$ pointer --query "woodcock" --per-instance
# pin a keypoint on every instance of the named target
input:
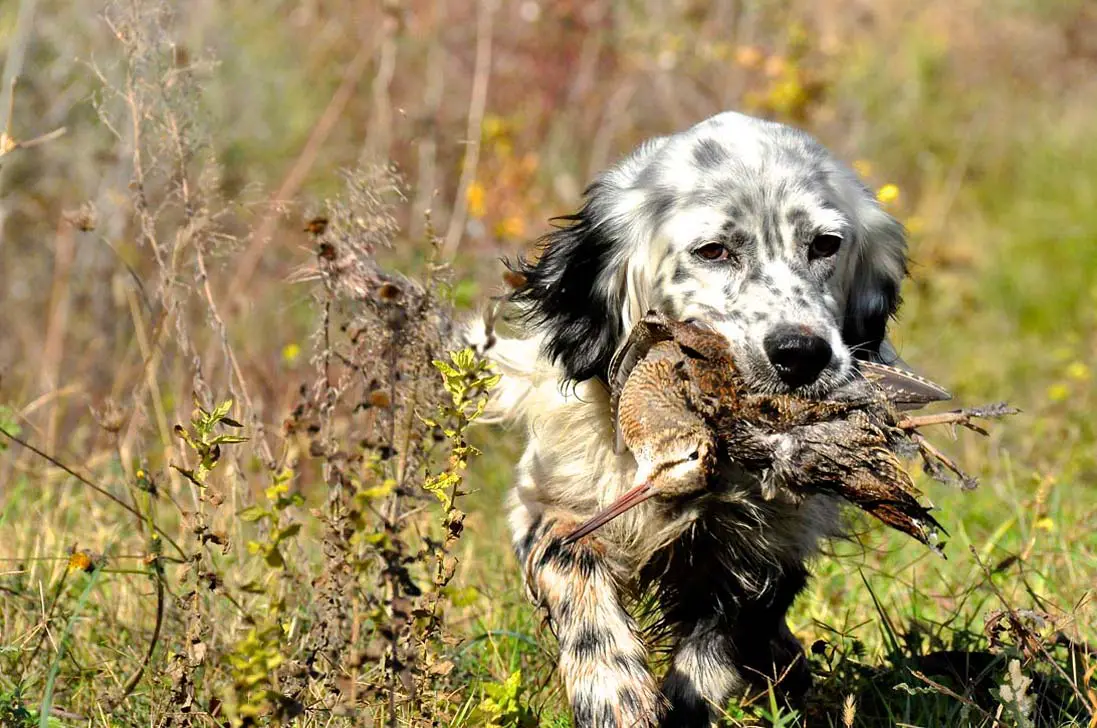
(681, 406)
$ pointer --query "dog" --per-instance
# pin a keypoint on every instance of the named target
(753, 228)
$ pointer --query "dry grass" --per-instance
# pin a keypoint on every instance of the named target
(222, 221)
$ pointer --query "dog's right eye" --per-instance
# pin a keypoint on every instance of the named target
(712, 252)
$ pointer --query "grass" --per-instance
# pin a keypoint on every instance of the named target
(340, 565)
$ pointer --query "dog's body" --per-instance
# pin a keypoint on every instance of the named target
(754, 229)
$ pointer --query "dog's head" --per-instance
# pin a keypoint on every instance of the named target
(747, 225)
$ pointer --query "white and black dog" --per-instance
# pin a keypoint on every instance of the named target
(753, 228)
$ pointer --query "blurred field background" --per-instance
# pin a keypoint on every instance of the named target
(159, 247)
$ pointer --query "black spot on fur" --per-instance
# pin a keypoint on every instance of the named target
(562, 297)
(709, 154)
(659, 203)
(629, 699)
(681, 274)
(591, 711)
(556, 554)
(523, 546)
(711, 313)
(801, 225)
(688, 708)
(631, 664)
(586, 562)
(590, 642)
(562, 611)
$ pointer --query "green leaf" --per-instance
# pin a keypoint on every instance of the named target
(465, 359)
(289, 532)
(252, 514)
(10, 424)
(274, 491)
(447, 371)
(274, 558)
(227, 440)
(378, 491)
(189, 475)
(220, 411)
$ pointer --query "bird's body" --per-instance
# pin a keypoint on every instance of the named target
(682, 407)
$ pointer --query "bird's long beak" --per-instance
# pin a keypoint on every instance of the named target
(632, 498)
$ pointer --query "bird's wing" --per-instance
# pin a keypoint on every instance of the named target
(648, 331)
(906, 390)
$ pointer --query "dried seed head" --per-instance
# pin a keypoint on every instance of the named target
(849, 711)
(110, 417)
(317, 226)
(85, 218)
(514, 279)
(388, 292)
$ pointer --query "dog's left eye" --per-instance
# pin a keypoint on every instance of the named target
(712, 252)
(824, 246)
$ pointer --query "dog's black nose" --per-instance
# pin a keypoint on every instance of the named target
(797, 354)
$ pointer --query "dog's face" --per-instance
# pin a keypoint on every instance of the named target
(755, 257)
(748, 226)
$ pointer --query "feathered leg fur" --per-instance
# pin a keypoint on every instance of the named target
(602, 655)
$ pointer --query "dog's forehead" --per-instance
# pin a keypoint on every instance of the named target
(732, 169)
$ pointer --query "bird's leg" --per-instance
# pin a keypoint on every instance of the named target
(962, 417)
(602, 657)
(932, 457)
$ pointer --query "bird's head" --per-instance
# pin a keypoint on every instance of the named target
(676, 463)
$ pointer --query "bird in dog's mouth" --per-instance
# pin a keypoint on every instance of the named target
(680, 406)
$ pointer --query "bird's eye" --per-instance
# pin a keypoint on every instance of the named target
(824, 246)
(712, 252)
(694, 455)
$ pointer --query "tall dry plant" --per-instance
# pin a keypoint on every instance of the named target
(236, 616)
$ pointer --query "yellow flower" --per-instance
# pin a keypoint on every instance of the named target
(1078, 371)
(1058, 392)
(915, 224)
(510, 227)
(80, 561)
(888, 193)
(775, 66)
(494, 127)
(290, 352)
(748, 56)
(787, 95)
(475, 196)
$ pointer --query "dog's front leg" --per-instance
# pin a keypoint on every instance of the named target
(602, 656)
(732, 645)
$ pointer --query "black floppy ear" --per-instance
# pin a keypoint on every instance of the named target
(873, 295)
(873, 300)
(566, 294)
